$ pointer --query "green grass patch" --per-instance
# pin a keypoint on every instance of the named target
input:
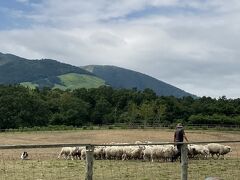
(74, 81)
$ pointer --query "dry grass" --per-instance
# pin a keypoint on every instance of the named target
(106, 136)
(108, 170)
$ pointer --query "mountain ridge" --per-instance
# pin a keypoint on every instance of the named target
(55, 74)
(119, 77)
(14, 70)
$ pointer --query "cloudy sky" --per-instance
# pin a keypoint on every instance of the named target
(191, 44)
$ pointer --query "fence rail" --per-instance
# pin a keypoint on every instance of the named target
(21, 146)
(89, 163)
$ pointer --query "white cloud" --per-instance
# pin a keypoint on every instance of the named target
(195, 47)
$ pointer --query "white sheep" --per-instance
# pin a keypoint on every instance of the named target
(168, 152)
(138, 142)
(159, 152)
(156, 152)
(137, 152)
(77, 154)
(132, 152)
(127, 152)
(218, 149)
(83, 154)
(69, 152)
(147, 153)
(99, 152)
(114, 152)
(198, 150)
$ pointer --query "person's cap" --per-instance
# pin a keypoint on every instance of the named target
(179, 125)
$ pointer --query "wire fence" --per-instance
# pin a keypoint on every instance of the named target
(143, 160)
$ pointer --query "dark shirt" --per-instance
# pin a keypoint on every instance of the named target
(179, 133)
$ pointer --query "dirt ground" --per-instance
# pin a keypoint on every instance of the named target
(106, 136)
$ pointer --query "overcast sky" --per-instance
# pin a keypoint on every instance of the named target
(191, 44)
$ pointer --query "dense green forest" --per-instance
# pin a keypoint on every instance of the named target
(24, 107)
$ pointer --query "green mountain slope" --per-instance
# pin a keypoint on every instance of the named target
(44, 73)
(14, 69)
(70, 81)
(124, 78)
(74, 81)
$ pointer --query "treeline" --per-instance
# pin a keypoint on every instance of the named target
(23, 107)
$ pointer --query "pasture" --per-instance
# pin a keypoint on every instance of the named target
(43, 163)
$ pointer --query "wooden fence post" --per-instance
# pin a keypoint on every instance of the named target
(89, 162)
(184, 162)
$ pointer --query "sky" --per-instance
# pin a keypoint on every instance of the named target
(191, 44)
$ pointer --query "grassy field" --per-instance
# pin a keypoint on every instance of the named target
(73, 81)
(71, 170)
(43, 163)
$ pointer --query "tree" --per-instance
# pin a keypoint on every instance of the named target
(101, 110)
(133, 113)
(146, 111)
(72, 111)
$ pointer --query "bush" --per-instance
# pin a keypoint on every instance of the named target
(124, 127)
(172, 126)
(111, 127)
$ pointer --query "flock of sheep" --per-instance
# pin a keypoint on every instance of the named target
(145, 152)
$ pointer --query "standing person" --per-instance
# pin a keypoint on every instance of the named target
(179, 136)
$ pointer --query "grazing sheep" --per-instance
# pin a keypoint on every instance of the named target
(99, 152)
(191, 151)
(114, 152)
(68, 152)
(168, 152)
(156, 152)
(137, 152)
(77, 154)
(197, 150)
(160, 152)
(147, 153)
(83, 154)
(127, 152)
(148, 142)
(218, 149)
(132, 152)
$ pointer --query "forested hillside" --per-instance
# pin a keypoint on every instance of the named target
(23, 107)
(124, 78)
(38, 73)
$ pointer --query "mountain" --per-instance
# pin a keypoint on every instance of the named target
(124, 78)
(54, 74)
(45, 73)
